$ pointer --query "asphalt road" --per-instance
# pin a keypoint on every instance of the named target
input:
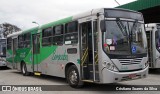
(14, 77)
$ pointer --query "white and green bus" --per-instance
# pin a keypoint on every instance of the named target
(100, 46)
(153, 37)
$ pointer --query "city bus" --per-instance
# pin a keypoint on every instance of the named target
(153, 38)
(3, 52)
(105, 45)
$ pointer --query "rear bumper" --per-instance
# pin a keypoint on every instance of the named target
(113, 77)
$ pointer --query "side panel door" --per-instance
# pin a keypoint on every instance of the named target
(89, 50)
(36, 51)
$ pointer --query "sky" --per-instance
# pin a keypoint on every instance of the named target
(23, 12)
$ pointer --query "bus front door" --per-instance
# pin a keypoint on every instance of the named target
(150, 48)
(89, 51)
(36, 52)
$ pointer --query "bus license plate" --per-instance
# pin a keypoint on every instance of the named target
(132, 76)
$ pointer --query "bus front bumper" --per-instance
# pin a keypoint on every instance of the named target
(113, 77)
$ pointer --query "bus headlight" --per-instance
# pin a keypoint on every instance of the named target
(109, 66)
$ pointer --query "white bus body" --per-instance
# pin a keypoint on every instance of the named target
(107, 46)
(153, 38)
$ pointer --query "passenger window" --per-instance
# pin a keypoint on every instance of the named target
(9, 42)
(27, 40)
(71, 34)
(47, 36)
(58, 35)
(59, 30)
(20, 41)
(24, 40)
(157, 40)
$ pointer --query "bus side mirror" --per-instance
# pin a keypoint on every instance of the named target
(102, 26)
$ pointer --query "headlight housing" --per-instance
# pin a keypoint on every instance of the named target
(110, 66)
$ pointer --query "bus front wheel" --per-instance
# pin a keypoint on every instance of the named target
(24, 70)
(73, 77)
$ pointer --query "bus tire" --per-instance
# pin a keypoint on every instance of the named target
(24, 70)
(73, 77)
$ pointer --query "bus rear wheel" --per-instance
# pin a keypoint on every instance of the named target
(24, 70)
(73, 77)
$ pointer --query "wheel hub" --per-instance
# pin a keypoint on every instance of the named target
(73, 77)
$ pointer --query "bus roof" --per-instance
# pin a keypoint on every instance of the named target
(14, 34)
(66, 20)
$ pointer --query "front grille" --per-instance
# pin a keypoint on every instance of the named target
(130, 61)
(130, 70)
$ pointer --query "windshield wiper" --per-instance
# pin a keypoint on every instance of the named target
(133, 27)
(121, 26)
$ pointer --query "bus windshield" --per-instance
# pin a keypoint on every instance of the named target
(157, 38)
(124, 37)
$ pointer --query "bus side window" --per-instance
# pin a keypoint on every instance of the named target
(58, 35)
(20, 41)
(9, 41)
(71, 34)
(47, 36)
(95, 35)
(157, 40)
(27, 40)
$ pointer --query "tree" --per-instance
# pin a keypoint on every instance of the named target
(7, 28)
